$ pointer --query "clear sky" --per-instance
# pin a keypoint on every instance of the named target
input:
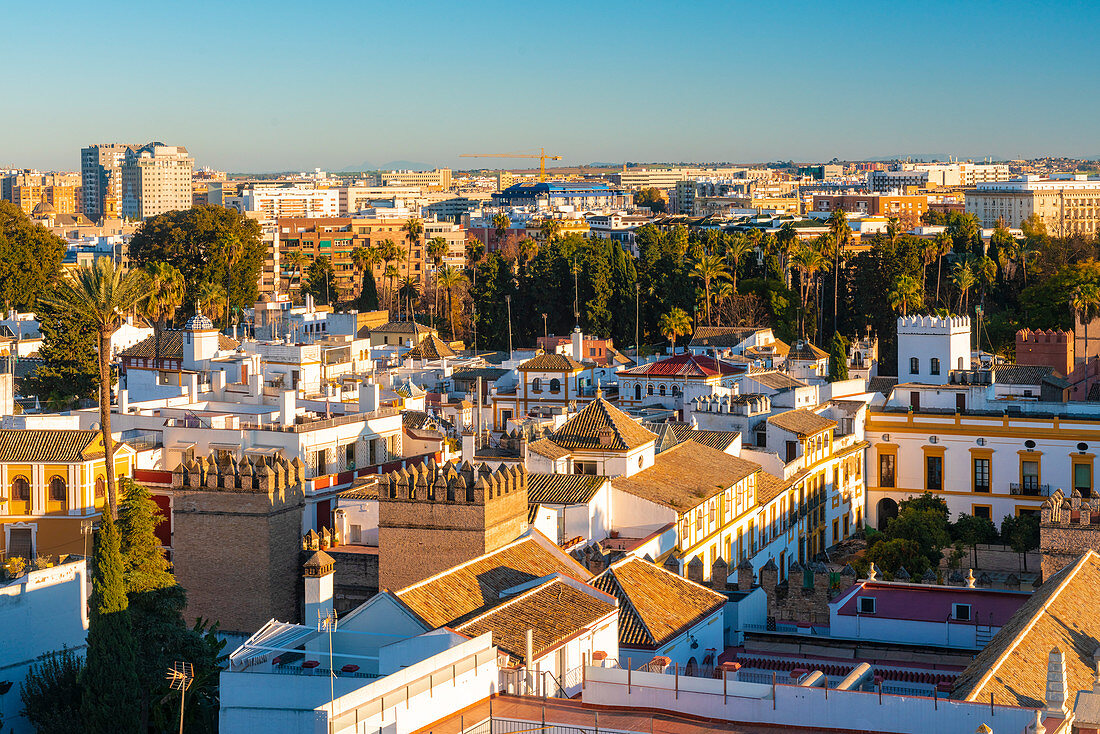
(251, 86)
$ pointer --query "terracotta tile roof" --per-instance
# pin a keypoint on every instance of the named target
(768, 487)
(551, 363)
(18, 445)
(430, 348)
(549, 449)
(553, 611)
(802, 422)
(602, 426)
(686, 474)
(1062, 613)
(402, 327)
(487, 374)
(411, 390)
(685, 365)
(806, 352)
(562, 489)
(171, 345)
(1015, 374)
(777, 348)
(456, 595)
(880, 384)
(655, 605)
(776, 380)
(722, 336)
(720, 440)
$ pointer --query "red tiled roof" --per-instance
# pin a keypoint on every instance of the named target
(685, 365)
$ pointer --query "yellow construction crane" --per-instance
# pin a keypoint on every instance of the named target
(541, 155)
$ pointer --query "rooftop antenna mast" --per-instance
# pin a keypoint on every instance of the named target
(180, 676)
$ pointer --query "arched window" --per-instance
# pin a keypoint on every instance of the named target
(914, 366)
(21, 489)
(675, 390)
(650, 389)
(960, 363)
(555, 385)
(536, 384)
(935, 369)
(57, 489)
(100, 488)
(662, 390)
(638, 391)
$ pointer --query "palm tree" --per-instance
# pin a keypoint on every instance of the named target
(963, 278)
(786, 239)
(549, 228)
(413, 229)
(673, 324)
(166, 292)
(808, 261)
(528, 251)
(736, 248)
(841, 234)
(409, 291)
(906, 294)
(389, 252)
(723, 290)
(1085, 303)
(390, 274)
(208, 299)
(296, 260)
(942, 244)
(450, 278)
(233, 249)
(104, 294)
(709, 268)
(501, 223)
(437, 250)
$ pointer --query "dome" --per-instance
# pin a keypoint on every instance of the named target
(44, 209)
(198, 322)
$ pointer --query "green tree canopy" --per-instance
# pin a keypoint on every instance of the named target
(895, 553)
(30, 258)
(110, 680)
(51, 693)
(70, 369)
(1021, 532)
(653, 198)
(838, 358)
(321, 281)
(206, 244)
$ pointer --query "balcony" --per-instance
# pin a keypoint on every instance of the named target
(1029, 489)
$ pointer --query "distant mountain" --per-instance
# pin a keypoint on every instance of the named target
(390, 166)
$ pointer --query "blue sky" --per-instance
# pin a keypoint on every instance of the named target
(293, 85)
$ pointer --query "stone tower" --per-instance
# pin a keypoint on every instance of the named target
(431, 518)
(237, 538)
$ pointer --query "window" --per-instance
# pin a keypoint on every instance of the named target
(866, 604)
(1029, 475)
(21, 490)
(935, 368)
(933, 473)
(983, 511)
(505, 416)
(649, 389)
(960, 612)
(100, 488)
(536, 384)
(638, 391)
(555, 385)
(960, 363)
(981, 475)
(886, 470)
(584, 467)
(914, 366)
(1082, 479)
(792, 451)
(662, 390)
(349, 456)
(675, 390)
(57, 489)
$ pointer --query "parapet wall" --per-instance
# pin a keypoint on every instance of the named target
(1067, 528)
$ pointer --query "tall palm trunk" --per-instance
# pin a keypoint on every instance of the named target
(939, 266)
(105, 417)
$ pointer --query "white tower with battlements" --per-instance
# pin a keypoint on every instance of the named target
(929, 347)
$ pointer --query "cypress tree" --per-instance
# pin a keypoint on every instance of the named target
(110, 682)
(156, 601)
(838, 358)
(368, 294)
(144, 566)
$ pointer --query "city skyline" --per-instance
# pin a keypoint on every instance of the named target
(255, 92)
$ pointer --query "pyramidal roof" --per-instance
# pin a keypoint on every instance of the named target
(602, 426)
(430, 347)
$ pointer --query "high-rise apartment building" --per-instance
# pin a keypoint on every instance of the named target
(1067, 204)
(271, 202)
(101, 179)
(156, 178)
